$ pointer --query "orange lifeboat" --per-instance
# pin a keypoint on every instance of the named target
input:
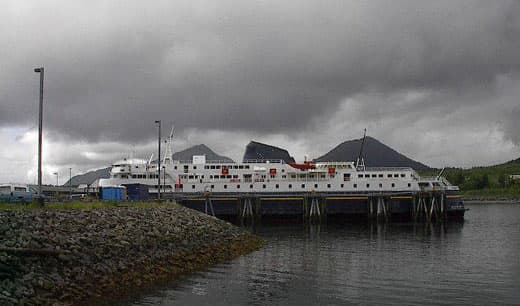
(305, 166)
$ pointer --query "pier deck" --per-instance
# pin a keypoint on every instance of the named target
(316, 205)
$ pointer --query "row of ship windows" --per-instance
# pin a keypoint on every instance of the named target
(380, 175)
(277, 186)
(140, 176)
(155, 176)
(217, 167)
(346, 175)
(229, 176)
(347, 166)
(225, 167)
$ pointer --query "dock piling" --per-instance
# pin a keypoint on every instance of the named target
(208, 204)
(312, 206)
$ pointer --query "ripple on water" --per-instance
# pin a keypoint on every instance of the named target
(476, 262)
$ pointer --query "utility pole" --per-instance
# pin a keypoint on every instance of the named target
(40, 130)
(70, 183)
(164, 179)
(57, 183)
(159, 162)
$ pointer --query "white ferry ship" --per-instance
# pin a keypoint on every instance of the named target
(258, 177)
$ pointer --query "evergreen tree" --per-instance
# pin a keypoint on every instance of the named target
(459, 178)
(485, 181)
(502, 180)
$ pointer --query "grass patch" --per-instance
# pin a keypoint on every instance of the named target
(493, 194)
(81, 205)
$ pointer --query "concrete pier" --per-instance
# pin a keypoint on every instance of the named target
(314, 206)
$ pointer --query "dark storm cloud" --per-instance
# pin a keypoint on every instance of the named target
(112, 69)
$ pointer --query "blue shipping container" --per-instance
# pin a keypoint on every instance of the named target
(137, 192)
(113, 194)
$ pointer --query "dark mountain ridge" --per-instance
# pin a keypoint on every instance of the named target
(511, 162)
(201, 149)
(375, 153)
(262, 151)
(89, 177)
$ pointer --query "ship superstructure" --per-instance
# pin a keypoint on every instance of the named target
(261, 176)
(339, 180)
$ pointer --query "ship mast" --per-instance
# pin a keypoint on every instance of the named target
(440, 173)
(169, 148)
(360, 162)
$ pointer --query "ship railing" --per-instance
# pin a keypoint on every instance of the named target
(307, 179)
(368, 169)
(441, 179)
(207, 162)
(263, 161)
(428, 178)
(327, 163)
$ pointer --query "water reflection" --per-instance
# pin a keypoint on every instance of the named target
(366, 263)
(332, 263)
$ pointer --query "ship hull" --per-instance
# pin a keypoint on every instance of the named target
(455, 205)
(297, 205)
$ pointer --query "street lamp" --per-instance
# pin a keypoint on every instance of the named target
(40, 129)
(164, 178)
(158, 122)
(70, 183)
(57, 176)
(57, 183)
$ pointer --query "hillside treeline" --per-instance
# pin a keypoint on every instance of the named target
(487, 182)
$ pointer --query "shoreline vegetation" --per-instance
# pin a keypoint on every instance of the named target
(87, 253)
(491, 195)
(494, 183)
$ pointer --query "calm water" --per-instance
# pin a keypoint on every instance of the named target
(475, 262)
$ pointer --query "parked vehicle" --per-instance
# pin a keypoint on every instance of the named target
(15, 193)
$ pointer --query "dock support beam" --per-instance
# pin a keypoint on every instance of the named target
(379, 208)
(315, 211)
(430, 206)
(247, 210)
(370, 204)
(208, 206)
(383, 212)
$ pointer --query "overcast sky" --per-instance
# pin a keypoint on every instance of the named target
(436, 80)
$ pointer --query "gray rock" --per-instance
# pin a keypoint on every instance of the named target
(96, 248)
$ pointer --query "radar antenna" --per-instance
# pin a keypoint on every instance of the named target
(169, 148)
(360, 162)
(440, 173)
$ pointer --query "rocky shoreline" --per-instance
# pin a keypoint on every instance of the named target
(78, 256)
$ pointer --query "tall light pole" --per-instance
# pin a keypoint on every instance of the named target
(40, 129)
(57, 183)
(164, 178)
(70, 183)
(159, 162)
